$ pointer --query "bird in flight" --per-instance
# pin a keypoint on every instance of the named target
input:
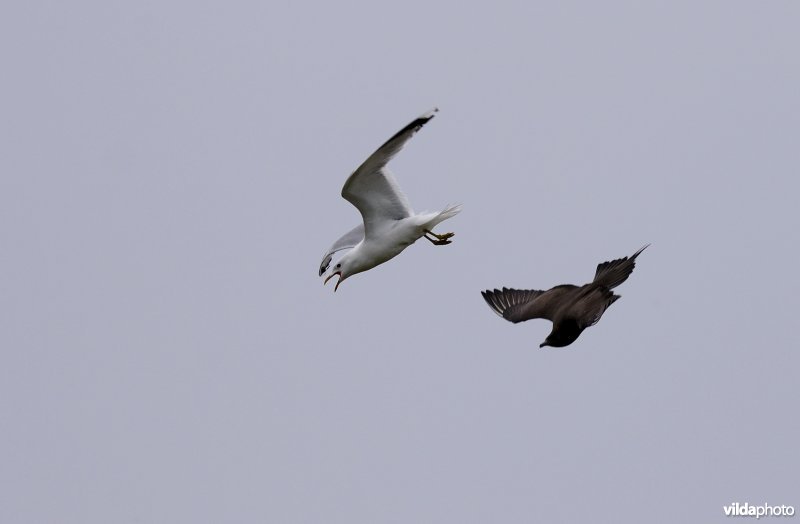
(570, 308)
(389, 224)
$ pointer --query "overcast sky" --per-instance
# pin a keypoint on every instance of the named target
(170, 178)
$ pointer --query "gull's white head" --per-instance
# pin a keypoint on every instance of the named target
(343, 269)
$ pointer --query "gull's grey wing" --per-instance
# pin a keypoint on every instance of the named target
(611, 274)
(348, 240)
(373, 189)
(517, 305)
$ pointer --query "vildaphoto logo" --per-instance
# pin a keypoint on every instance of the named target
(764, 510)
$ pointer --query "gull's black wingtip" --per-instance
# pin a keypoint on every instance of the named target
(326, 263)
(424, 118)
(415, 125)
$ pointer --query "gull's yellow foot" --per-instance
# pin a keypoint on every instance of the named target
(438, 240)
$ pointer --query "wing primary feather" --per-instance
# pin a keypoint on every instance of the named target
(508, 302)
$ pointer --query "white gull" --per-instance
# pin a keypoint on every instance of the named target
(389, 224)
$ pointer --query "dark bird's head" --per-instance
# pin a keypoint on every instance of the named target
(562, 335)
(558, 340)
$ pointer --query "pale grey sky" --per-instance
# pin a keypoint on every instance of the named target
(170, 178)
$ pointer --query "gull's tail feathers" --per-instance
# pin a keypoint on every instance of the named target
(449, 212)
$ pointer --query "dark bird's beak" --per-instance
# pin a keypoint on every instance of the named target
(337, 282)
(543, 344)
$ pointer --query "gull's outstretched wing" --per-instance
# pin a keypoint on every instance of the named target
(348, 240)
(373, 189)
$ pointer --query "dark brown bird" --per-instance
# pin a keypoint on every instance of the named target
(570, 308)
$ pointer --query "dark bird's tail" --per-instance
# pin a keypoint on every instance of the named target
(611, 274)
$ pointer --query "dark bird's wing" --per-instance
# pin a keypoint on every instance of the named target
(347, 241)
(590, 305)
(373, 189)
(611, 274)
(517, 305)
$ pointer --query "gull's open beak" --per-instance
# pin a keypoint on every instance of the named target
(337, 282)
